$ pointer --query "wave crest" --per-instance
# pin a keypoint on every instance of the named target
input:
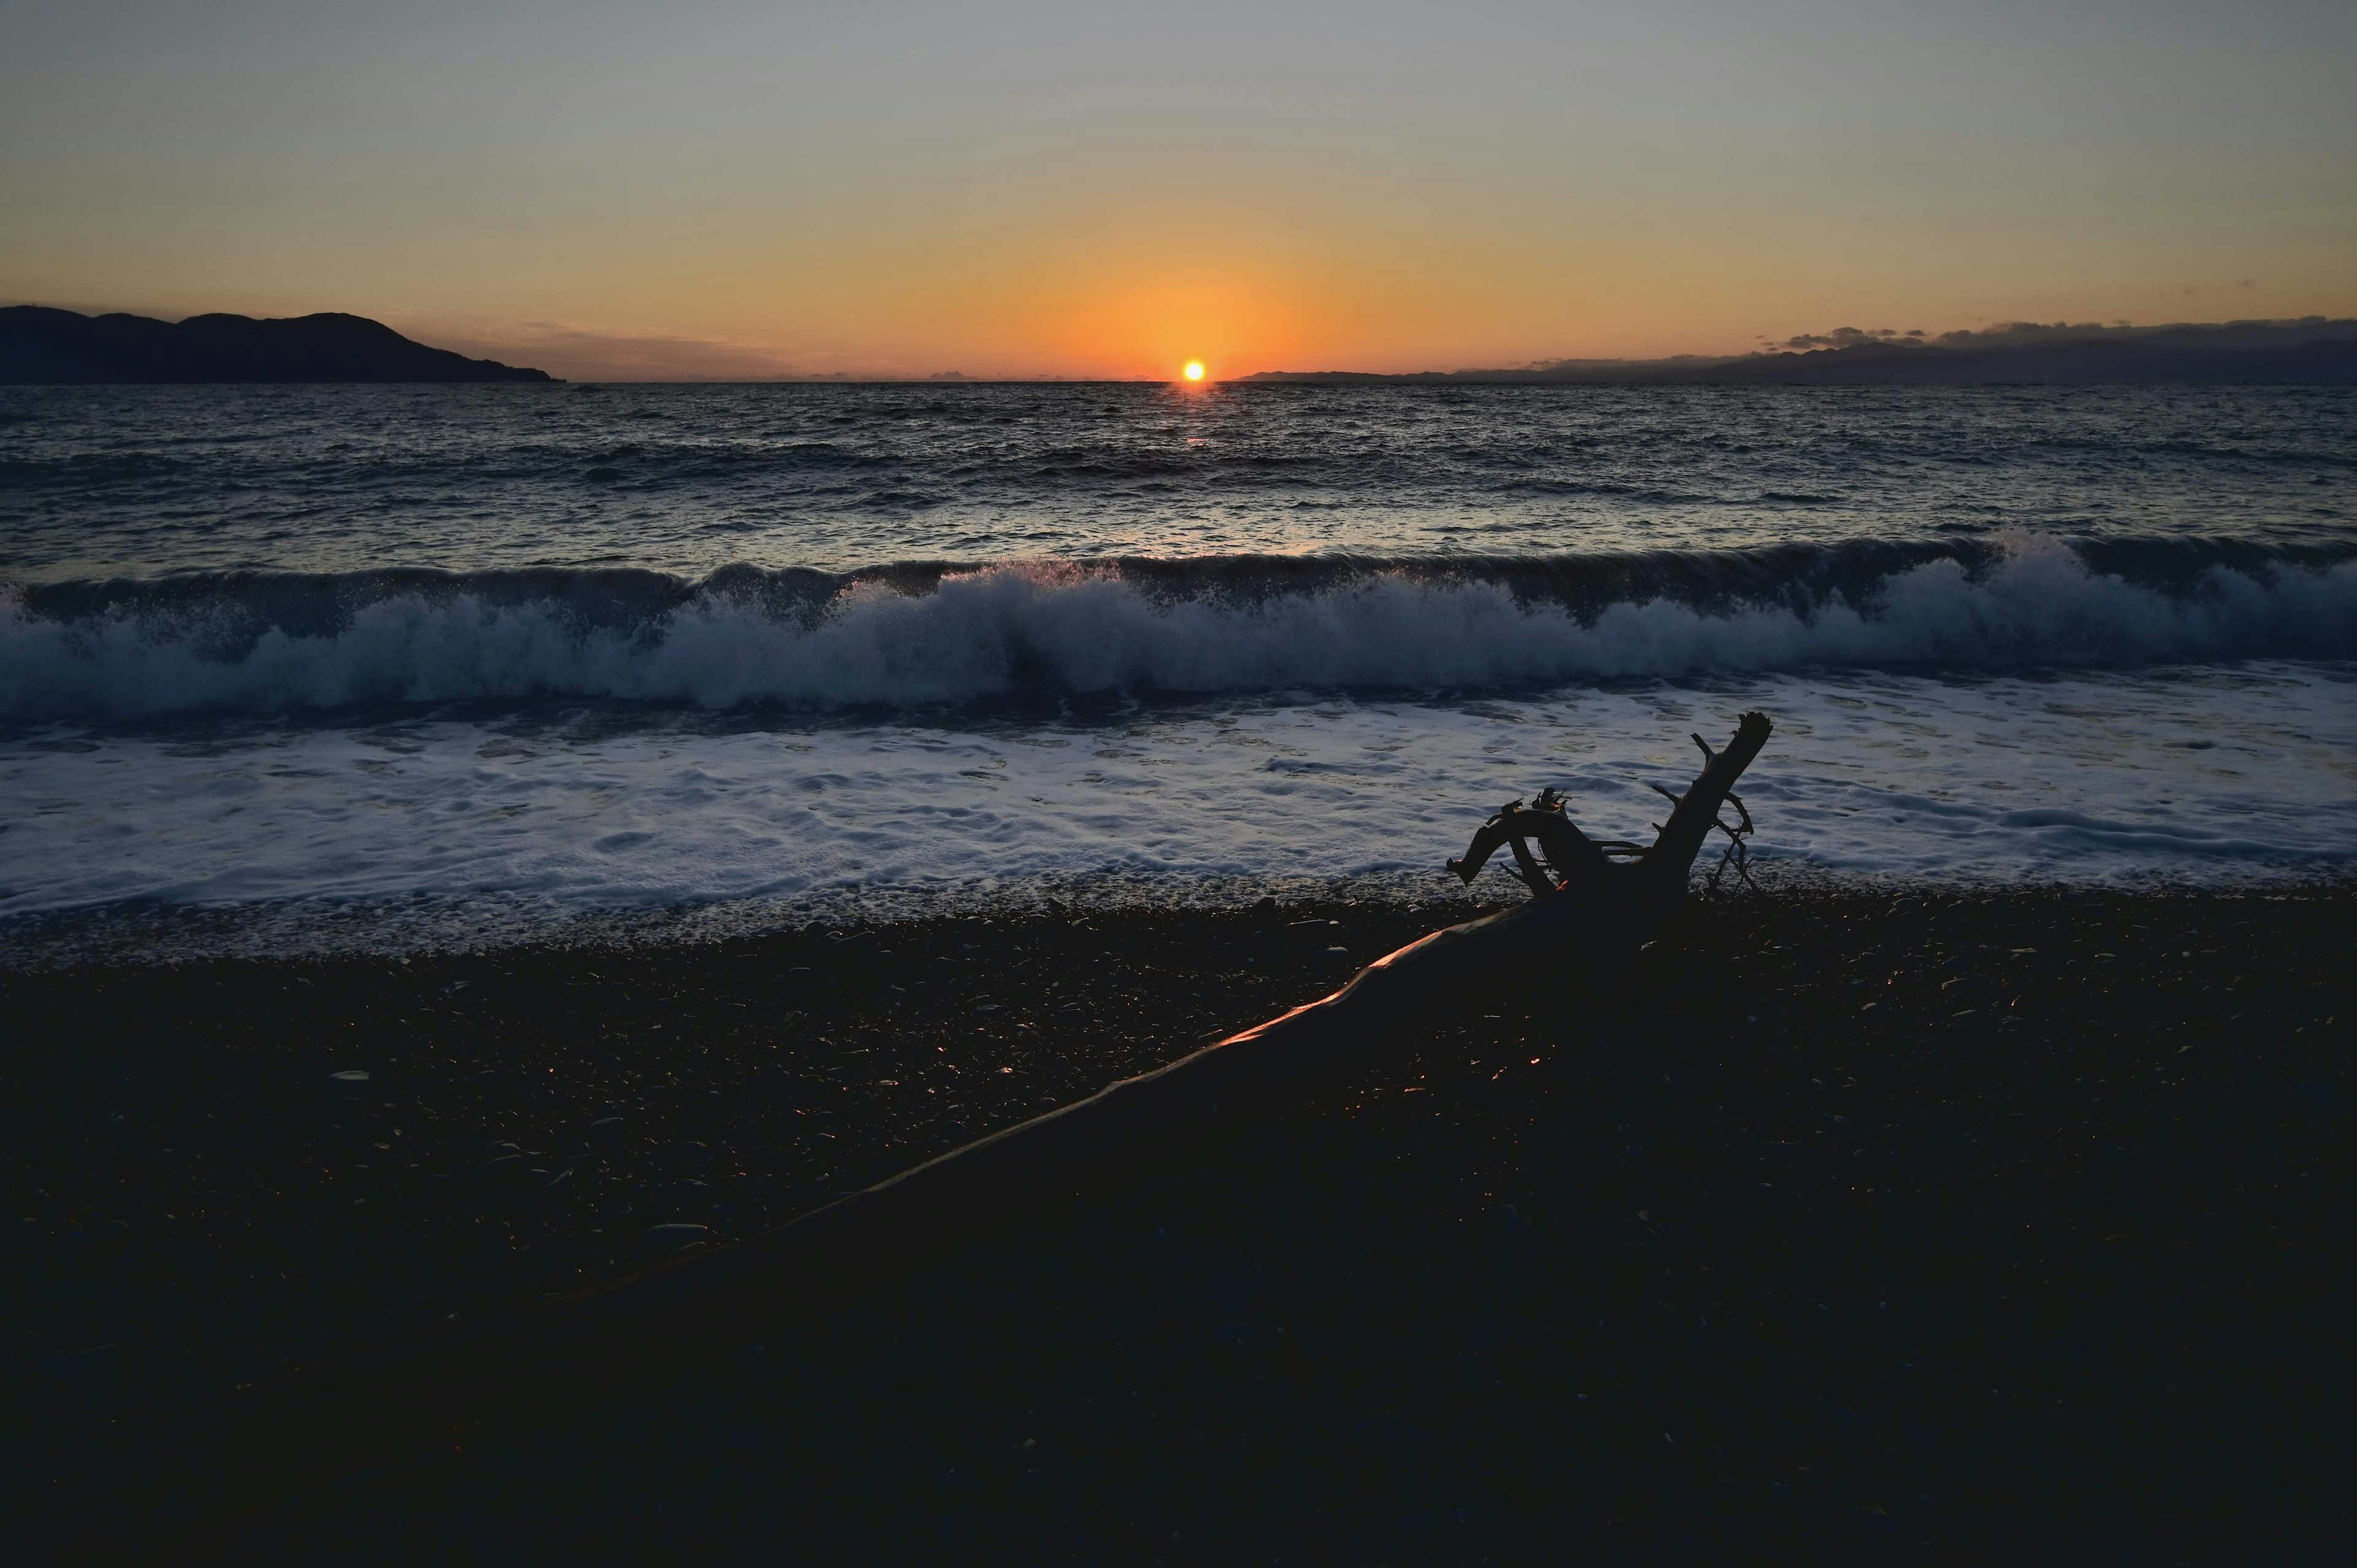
(930, 634)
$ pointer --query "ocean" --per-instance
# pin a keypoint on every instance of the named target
(318, 668)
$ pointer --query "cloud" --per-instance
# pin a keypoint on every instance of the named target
(2019, 334)
(2013, 334)
(1852, 337)
(2244, 334)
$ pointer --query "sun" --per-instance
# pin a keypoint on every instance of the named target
(1194, 371)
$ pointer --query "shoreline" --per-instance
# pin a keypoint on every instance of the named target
(197, 1201)
(140, 934)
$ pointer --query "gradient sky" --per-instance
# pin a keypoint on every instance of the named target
(905, 187)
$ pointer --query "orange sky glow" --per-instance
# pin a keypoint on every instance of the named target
(1039, 188)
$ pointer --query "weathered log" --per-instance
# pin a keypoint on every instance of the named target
(1651, 883)
(550, 1360)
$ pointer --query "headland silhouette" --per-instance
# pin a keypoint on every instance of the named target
(40, 346)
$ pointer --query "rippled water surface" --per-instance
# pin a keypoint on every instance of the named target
(569, 649)
(141, 481)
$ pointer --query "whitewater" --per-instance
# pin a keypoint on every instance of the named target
(394, 666)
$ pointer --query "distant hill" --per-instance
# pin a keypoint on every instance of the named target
(2311, 351)
(40, 346)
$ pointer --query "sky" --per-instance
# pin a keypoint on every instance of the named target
(709, 187)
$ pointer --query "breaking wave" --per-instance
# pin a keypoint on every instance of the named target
(930, 634)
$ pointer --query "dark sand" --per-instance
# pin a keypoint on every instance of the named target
(1942, 1227)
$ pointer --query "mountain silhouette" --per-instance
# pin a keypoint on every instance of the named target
(42, 346)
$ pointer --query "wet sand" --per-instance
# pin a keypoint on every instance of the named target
(1934, 1223)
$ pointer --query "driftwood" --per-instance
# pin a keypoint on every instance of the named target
(1592, 902)
(1598, 909)
(1613, 872)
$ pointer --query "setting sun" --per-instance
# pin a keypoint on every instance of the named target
(1194, 371)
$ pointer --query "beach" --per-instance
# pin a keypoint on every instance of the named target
(1104, 785)
(1981, 1219)
(486, 872)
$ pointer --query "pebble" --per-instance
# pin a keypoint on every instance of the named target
(352, 1076)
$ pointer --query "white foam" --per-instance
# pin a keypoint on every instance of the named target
(1004, 629)
(2199, 773)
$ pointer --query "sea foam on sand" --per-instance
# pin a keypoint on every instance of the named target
(2201, 774)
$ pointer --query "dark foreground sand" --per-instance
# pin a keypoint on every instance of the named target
(1939, 1227)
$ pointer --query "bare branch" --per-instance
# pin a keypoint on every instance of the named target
(1652, 877)
(1737, 802)
(1739, 853)
(1533, 876)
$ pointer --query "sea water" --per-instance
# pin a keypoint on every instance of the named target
(368, 666)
